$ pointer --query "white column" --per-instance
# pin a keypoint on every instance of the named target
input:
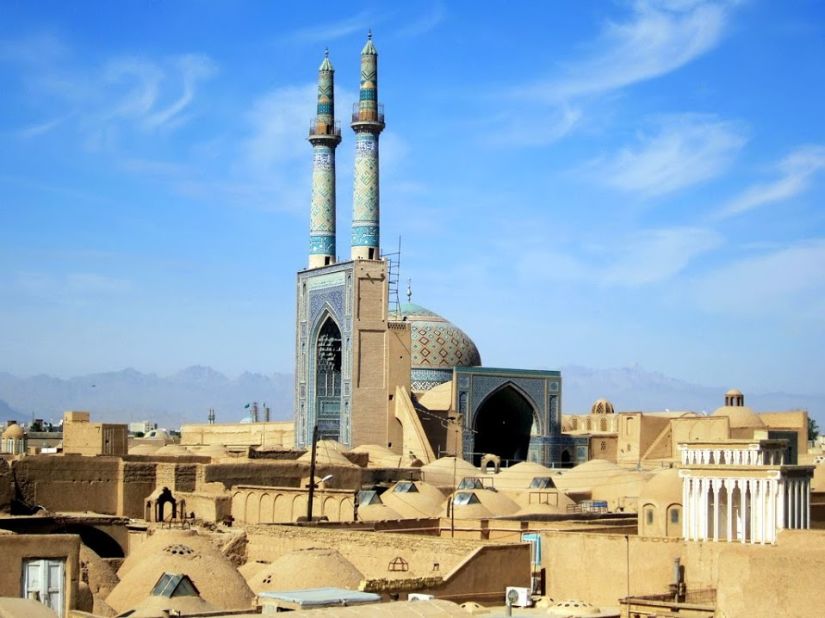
(729, 522)
(692, 509)
(772, 500)
(760, 511)
(780, 504)
(716, 487)
(791, 505)
(806, 497)
(685, 507)
(754, 509)
(743, 509)
(703, 531)
(694, 513)
(697, 507)
(795, 504)
(747, 511)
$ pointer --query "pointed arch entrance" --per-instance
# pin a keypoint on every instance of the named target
(503, 425)
(328, 380)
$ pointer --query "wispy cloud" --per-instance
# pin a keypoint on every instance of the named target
(657, 38)
(41, 128)
(684, 150)
(126, 93)
(193, 69)
(643, 258)
(796, 173)
(787, 282)
(71, 288)
(512, 130)
(425, 23)
(330, 31)
(660, 37)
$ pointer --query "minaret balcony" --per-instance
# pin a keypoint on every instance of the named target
(319, 128)
(368, 115)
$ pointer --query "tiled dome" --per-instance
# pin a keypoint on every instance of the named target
(437, 346)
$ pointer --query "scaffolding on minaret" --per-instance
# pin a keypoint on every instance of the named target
(393, 276)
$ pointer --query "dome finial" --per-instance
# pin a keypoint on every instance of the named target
(326, 52)
(369, 34)
(409, 290)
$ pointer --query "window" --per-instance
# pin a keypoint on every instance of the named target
(649, 516)
(603, 446)
(470, 482)
(674, 516)
(465, 497)
(405, 487)
(43, 580)
(542, 482)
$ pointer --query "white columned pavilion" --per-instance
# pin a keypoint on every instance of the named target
(742, 490)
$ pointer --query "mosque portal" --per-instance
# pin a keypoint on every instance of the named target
(328, 380)
(504, 423)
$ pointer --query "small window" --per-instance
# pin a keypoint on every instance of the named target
(542, 482)
(674, 516)
(405, 487)
(649, 517)
(463, 498)
(603, 446)
(470, 482)
(368, 496)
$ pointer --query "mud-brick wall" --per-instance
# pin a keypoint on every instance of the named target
(370, 552)
(136, 483)
(6, 492)
(279, 474)
(185, 475)
(70, 482)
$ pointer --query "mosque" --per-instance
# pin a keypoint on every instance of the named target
(369, 371)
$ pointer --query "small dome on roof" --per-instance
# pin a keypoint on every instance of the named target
(14, 432)
(734, 391)
(307, 568)
(602, 406)
(740, 417)
(663, 488)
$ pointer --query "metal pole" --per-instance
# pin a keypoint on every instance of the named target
(311, 495)
(452, 504)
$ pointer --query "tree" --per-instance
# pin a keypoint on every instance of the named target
(813, 429)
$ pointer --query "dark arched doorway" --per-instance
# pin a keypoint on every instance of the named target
(503, 425)
(328, 380)
(95, 539)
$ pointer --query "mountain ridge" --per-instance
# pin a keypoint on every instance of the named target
(187, 395)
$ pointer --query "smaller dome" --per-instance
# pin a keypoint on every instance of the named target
(13, 432)
(734, 391)
(663, 488)
(602, 406)
(740, 417)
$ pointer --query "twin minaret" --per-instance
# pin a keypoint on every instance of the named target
(325, 135)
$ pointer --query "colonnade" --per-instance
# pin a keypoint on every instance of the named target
(747, 510)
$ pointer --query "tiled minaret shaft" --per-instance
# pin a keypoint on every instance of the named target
(367, 122)
(324, 135)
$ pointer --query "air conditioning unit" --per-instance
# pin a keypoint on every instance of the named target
(417, 596)
(518, 597)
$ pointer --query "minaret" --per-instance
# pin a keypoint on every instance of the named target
(367, 122)
(324, 135)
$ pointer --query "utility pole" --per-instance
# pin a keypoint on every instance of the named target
(311, 495)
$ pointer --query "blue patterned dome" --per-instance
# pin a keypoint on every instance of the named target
(438, 345)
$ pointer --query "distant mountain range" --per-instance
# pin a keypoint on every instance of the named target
(186, 396)
(130, 395)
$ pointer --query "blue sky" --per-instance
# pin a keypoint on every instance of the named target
(595, 183)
